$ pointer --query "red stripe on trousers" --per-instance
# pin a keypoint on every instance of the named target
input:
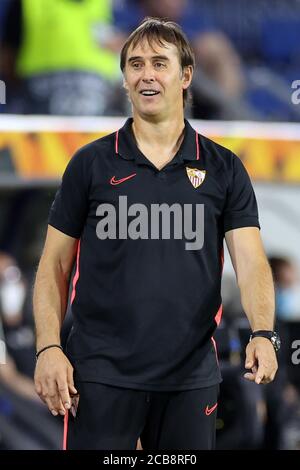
(66, 423)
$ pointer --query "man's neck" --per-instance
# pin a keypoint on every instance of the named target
(158, 140)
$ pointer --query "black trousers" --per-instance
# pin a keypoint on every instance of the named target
(113, 418)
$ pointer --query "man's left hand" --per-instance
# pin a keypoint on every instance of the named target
(261, 359)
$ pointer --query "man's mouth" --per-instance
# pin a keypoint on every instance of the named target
(149, 92)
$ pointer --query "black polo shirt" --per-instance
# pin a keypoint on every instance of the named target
(145, 306)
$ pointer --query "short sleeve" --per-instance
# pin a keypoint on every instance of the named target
(69, 209)
(241, 206)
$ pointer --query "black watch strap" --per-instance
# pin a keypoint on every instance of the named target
(271, 335)
(263, 333)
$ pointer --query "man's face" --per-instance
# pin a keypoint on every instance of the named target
(154, 79)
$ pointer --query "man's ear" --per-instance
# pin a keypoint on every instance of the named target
(186, 76)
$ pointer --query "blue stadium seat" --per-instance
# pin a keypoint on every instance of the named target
(280, 40)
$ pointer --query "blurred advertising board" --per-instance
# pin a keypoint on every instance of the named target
(39, 147)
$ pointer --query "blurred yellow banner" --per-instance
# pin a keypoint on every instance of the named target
(32, 153)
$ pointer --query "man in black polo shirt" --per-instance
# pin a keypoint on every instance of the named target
(144, 211)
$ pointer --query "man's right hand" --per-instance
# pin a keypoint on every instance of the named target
(53, 380)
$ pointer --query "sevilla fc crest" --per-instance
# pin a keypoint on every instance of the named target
(195, 176)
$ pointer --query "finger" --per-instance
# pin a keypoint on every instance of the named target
(249, 376)
(57, 407)
(72, 388)
(44, 394)
(38, 389)
(43, 398)
(269, 377)
(263, 371)
(261, 374)
(64, 392)
(273, 376)
(249, 363)
(266, 380)
(48, 400)
(50, 406)
(61, 408)
(53, 394)
(250, 358)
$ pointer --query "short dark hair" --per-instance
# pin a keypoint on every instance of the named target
(160, 31)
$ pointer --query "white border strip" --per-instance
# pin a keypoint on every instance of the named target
(249, 129)
(239, 129)
(29, 123)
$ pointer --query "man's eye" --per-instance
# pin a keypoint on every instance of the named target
(159, 65)
(136, 65)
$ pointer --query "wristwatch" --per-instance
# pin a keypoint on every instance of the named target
(271, 335)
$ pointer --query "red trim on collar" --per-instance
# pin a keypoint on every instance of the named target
(117, 142)
(197, 147)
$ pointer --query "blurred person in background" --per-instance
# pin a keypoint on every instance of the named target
(57, 57)
(24, 425)
(23, 422)
(18, 332)
(287, 296)
(268, 412)
(278, 402)
(287, 289)
(283, 397)
(216, 58)
(12, 297)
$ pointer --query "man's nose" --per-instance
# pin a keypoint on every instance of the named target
(148, 74)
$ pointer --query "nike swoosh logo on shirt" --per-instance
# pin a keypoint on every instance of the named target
(208, 411)
(115, 181)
